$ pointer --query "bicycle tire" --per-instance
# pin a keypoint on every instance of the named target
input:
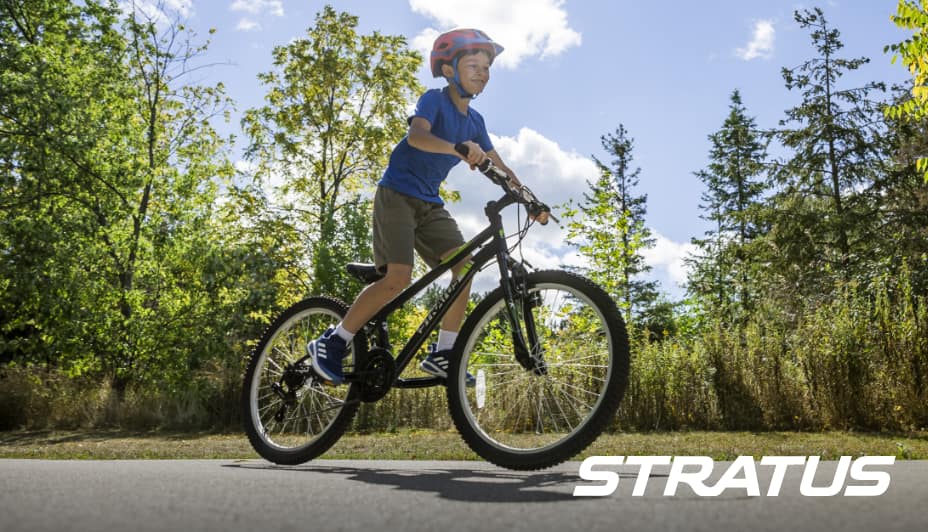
(508, 424)
(310, 436)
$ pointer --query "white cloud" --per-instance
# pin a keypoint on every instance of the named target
(257, 7)
(246, 24)
(160, 13)
(761, 44)
(245, 167)
(525, 28)
(667, 260)
(553, 173)
(184, 7)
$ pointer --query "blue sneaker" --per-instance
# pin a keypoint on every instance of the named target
(327, 353)
(437, 362)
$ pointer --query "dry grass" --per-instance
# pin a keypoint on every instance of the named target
(444, 445)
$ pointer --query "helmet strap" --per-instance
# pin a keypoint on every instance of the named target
(456, 80)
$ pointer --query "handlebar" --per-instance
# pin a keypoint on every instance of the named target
(520, 193)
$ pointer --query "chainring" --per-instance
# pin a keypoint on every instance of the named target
(377, 375)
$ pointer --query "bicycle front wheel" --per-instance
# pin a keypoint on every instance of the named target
(290, 415)
(532, 413)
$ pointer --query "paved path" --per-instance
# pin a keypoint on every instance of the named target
(378, 496)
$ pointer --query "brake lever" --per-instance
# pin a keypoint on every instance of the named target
(541, 207)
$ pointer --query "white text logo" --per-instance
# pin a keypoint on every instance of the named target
(741, 475)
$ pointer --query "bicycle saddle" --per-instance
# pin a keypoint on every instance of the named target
(366, 273)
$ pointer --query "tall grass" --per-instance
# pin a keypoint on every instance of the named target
(858, 361)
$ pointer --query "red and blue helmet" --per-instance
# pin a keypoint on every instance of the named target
(449, 44)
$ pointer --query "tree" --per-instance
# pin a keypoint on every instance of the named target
(111, 171)
(902, 224)
(828, 180)
(913, 15)
(609, 228)
(336, 105)
(732, 199)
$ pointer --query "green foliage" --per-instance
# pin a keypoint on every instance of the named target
(821, 213)
(336, 105)
(859, 361)
(912, 15)
(118, 263)
(138, 270)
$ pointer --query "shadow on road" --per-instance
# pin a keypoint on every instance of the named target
(457, 483)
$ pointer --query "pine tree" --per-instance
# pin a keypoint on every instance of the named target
(609, 228)
(827, 183)
(734, 187)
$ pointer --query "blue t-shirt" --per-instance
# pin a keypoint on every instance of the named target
(419, 173)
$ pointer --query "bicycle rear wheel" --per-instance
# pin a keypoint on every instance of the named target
(526, 414)
(290, 416)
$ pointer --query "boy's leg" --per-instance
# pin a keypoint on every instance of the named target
(455, 315)
(394, 236)
(376, 295)
(328, 350)
(438, 238)
(394, 227)
(438, 360)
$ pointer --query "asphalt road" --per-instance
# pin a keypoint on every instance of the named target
(378, 496)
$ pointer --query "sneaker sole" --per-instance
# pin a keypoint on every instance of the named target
(432, 369)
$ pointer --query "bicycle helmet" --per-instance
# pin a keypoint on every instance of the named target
(449, 46)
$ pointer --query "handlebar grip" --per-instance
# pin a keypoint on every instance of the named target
(462, 148)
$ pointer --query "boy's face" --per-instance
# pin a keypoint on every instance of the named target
(474, 71)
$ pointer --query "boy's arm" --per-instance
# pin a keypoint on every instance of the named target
(421, 137)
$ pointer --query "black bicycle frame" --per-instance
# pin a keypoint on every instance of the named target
(491, 243)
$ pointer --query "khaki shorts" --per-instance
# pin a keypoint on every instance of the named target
(403, 223)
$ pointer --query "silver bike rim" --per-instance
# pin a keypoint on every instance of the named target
(317, 406)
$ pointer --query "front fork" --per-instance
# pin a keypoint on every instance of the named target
(519, 303)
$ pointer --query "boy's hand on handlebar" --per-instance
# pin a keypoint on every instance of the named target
(475, 154)
(541, 218)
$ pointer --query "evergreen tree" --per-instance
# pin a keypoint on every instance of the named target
(734, 189)
(825, 199)
(609, 228)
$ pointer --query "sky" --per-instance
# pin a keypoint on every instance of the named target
(573, 71)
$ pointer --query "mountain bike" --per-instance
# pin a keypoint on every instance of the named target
(548, 349)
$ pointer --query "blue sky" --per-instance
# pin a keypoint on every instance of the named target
(573, 71)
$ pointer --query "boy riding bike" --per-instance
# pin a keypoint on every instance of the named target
(408, 212)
